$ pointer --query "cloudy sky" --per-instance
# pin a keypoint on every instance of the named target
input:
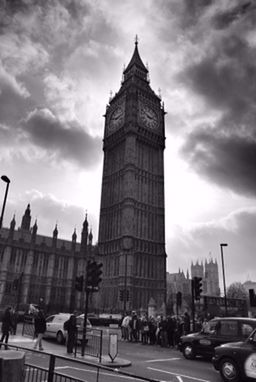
(60, 59)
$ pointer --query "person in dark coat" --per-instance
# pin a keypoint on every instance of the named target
(71, 326)
(134, 325)
(170, 331)
(6, 326)
(40, 328)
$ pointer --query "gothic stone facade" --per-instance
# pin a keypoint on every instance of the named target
(43, 267)
(132, 215)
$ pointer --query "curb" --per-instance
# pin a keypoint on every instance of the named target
(117, 363)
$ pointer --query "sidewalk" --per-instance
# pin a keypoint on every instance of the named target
(54, 348)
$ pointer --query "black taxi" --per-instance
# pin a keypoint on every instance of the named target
(218, 331)
(236, 361)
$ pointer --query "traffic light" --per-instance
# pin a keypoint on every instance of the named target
(198, 287)
(121, 295)
(93, 275)
(79, 283)
(178, 298)
(252, 297)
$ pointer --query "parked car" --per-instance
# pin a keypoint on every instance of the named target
(55, 327)
(104, 319)
(80, 326)
(236, 361)
(220, 331)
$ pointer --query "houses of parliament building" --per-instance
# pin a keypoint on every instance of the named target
(34, 267)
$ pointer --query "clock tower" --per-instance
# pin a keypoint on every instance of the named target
(131, 239)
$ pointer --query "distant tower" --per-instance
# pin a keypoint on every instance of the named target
(55, 236)
(26, 219)
(197, 270)
(212, 278)
(12, 228)
(34, 232)
(84, 236)
(132, 214)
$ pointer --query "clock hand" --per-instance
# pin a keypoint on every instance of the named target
(117, 116)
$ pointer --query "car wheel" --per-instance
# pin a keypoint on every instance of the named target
(188, 351)
(60, 338)
(229, 370)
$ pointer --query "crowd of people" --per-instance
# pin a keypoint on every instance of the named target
(163, 331)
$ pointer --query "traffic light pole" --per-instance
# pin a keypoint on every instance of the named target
(85, 320)
(92, 281)
(224, 282)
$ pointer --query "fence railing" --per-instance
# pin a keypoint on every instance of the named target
(90, 371)
(28, 328)
(93, 346)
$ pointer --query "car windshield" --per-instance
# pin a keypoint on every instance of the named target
(209, 327)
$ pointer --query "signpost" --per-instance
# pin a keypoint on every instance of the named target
(112, 346)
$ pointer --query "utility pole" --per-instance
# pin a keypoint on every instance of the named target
(224, 282)
(193, 303)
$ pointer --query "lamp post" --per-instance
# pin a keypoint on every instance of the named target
(223, 272)
(7, 181)
(125, 284)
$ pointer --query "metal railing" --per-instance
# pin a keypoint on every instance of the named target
(95, 372)
(94, 344)
(28, 328)
(92, 348)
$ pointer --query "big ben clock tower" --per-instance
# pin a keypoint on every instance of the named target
(132, 215)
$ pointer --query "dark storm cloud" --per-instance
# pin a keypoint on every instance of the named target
(76, 8)
(223, 19)
(225, 78)
(13, 97)
(228, 161)
(66, 140)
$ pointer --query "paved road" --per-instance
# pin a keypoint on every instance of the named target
(154, 362)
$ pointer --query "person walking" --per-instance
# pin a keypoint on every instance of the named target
(125, 327)
(40, 328)
(144, 330)
(7, 325)
(170, 331)
(71, 327)
(163, 332)
(14, 318)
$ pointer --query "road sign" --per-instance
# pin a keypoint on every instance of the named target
(112, 348)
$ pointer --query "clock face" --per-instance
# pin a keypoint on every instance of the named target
(148, 117)
(116, 118)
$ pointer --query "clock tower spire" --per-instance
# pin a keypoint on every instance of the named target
(132, 225)
(136, 65)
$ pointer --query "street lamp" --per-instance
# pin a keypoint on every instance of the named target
(223, 272)
(7, 181)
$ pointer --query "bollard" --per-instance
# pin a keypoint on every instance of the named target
(12, 366)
